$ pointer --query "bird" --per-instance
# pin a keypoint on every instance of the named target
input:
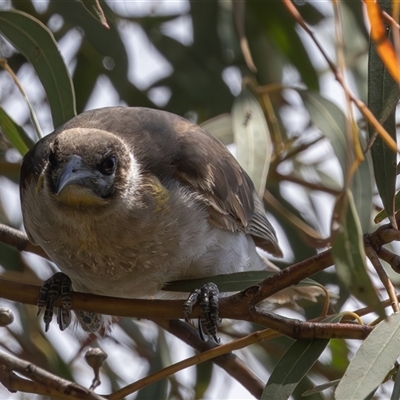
(125, 199)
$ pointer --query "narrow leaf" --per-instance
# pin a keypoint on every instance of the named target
(292, 368)
(383, 214)
(378, 34)
(331, 121)
(372, 362)
(35, 122)
(362, 189)
(252, 138)
(14, 133)
(349, 255)
(381, 101)
(320, 388)
(35, 41)
(220, 127)
(228, 282)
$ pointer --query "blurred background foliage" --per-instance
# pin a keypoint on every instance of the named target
(186, 57)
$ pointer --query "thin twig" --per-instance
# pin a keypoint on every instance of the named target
(230, 362)
(373, 257)
(310, 185)
(365, 111)
(4, 64)
(45, 378)
(19, 240)
(207, 355)
(15, 383)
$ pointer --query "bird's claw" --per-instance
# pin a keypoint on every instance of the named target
(207, 297)
(58, 284)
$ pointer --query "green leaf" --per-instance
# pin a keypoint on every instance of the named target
(331, 121)
(320, 388)
(14, 133)
(362, 188)
(252, 138)
(220, 127)
(158, 389)
(35, 41)
(281, 29)
(383, 94)
(372, 362)
(383, 214)
(228, 282)
(292, 368)
(349, 255)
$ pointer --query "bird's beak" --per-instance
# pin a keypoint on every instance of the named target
(74, 172)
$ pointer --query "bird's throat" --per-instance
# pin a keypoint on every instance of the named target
(79, 196)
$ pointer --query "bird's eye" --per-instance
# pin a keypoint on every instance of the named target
(107, 166)
(52, 159)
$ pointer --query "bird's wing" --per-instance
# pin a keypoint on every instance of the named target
(208, 166)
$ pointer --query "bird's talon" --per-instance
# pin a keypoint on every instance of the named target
(207, 297)
(59, 283)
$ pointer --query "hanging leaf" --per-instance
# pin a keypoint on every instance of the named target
(384, 47)
(383, 214)
(35, 41)
(294, 365)
(383, 94)
(331, 121)
(372, 362)
(252, 138)
(14, 133)
(220, 127)
(349, 255)
(292, 368)
(233, 282)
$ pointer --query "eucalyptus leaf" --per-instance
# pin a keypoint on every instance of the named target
(36, 42)
(292, 368)
(233, 282)
(252, 138)
(372, 362)
(220, 127)
(14, 133)
(383, 94)
(294, 365)
(331, 121)
(158, 389)
(320, 388)
(349, 254)
(383, 213)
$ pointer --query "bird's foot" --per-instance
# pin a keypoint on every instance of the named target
(59, 283)
(207, 297)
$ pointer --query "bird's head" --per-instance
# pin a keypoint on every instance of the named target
(87, 167)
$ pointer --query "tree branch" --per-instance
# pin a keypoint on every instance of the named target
(68, 389)
(15, 238)
(230, 362)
